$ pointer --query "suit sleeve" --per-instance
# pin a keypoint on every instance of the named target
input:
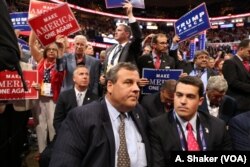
(96, 78)
(71, 143)
(158, 159)
(60, 113)
(136, 41)
(239, 134)
(231, 74)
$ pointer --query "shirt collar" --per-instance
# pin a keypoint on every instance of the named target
(83, 92)
(113, 112)
(184, 122)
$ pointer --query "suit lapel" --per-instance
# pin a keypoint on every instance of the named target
(87, 97)
(109, 131)
(124, 53)
(174, 130)
(240, 64)
(206, 129)
(73, 95)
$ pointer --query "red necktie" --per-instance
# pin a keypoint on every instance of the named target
(192, 143)
(157, 62)
(246, 65)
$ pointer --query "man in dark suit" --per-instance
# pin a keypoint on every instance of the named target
(238, 77)
(200, 67)
(91, 134)
(173, 130)
(160, 102)
(130, 49)
(239, 130)
(158, 59)
(216, 102)
(69, 99)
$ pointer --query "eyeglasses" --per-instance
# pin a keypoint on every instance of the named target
(52, 49)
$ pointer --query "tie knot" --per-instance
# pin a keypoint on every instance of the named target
(119, 47)
(189, 127)
(122, 116)
(79, 94)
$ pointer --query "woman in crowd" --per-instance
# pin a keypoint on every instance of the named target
(50, 81)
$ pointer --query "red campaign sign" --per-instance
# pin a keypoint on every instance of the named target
(11, 86)
(48, 25)
(38, 7)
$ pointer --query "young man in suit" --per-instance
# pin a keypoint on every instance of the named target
(127, 50)
(94, 134)
(77, 96)
(238, 76)
(69, 61)
(239, 130)
(160, 102)
(173, 130)
(215, 101)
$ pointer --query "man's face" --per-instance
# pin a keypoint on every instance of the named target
(215, 97)
(80, 46)
(81, 77)
(244, 53)
(186, 100)
(161, 45)
(146, 50)
(89, 50)
(120, 34)
(202, 61)
(124, 94)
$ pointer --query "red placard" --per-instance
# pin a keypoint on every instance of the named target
(48, 25)
(11, 86)
(38, 7)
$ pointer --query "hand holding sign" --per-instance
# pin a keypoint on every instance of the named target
(129, 8)
(61, 43)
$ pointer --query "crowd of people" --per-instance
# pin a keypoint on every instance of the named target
(91, 112)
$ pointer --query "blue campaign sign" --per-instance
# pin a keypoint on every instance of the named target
(157, 78)
(118, 3)
(20, 21)
(193, 22)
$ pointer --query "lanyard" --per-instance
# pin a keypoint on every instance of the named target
(183, 139)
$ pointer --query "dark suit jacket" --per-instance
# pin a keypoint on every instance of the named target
(227, 108)
(238, 80)
(86, 137)
(239, 130)
(153, 105)
(66, 102)
(146, 61)
(164, 136)
(131, 51)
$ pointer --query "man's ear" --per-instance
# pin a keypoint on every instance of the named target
(201, 100)
(109, 86)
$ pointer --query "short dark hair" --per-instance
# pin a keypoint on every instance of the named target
(127, 29)
(192, 80)
(244, 43)
(169, 85)
(112, 73)
(155, 38)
